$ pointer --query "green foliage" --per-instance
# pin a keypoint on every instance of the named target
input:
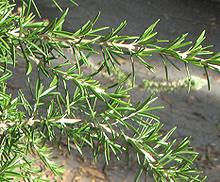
(195, 83)
(74, 104)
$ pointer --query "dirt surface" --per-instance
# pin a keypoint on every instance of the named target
(196, 114)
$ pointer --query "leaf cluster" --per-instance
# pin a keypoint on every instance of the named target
(73, 104)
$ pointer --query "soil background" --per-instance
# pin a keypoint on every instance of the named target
(196, 114)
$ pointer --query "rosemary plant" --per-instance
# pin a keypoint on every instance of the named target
(68, 103)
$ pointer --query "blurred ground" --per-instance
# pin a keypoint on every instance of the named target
(196, 114)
